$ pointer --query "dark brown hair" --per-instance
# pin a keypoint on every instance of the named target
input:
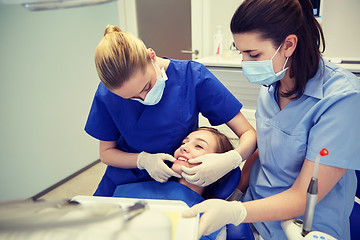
(277, 19)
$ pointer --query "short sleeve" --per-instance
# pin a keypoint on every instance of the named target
(337, 129)
(100, 124)
(216, 102)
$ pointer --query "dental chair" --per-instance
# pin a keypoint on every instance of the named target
(355, 214)
(221, 191)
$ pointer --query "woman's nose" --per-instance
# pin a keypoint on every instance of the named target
(184, 148)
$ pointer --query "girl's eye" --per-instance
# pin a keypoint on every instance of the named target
(254, 56)
(199, 146)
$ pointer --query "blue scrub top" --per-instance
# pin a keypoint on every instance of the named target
(190, 89)
(327, 115)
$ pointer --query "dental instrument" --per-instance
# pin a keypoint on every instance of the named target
(312, 194)
(297, 229)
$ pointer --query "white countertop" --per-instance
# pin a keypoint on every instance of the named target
(229, 60)
(234, 60)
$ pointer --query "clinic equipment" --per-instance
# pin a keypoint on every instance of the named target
(83, 219)
(20, 215)
(297, 229)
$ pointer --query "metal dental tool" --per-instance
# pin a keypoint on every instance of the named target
(42, 215)
(312, 194)
(135, 210)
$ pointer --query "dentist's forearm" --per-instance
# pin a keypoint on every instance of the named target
(112, 156)
(120, 159)
(247, 144)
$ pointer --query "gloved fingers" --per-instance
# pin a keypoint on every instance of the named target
(169, 158)
(161, 177)
(189, 171)
(191, 212)
(175, 174)
(209, 222)
(202, 183)
(168, 172)
(171, 173)
(194, 179)
(202, 227)
(194, 210)
(165, 156)
(190, 178)
(161, 180)
(157, 178)
(198, 182)
(206, 227)
(197, 160)
(205, 220)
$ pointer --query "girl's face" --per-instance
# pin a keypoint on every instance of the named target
(194, 145)
(140, 83)
(254, 48)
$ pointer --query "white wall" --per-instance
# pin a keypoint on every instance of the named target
(218, 13)
(48, 80)
(340, 22)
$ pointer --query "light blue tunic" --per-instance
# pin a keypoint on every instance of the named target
(327, 115)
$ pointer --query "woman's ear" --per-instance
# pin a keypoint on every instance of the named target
(152, 54)
(290, 44)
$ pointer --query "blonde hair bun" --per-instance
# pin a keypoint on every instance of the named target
(118, 55)
(111, 29)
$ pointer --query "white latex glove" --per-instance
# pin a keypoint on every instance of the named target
(213, 166)
(155, 166)
(217, 213)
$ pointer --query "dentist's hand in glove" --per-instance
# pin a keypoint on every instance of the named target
(213, 166)
(155, 166)
(217, 213)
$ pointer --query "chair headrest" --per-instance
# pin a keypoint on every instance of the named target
(358, 183)
(224, 187)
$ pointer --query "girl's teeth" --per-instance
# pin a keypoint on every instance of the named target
(182, 159)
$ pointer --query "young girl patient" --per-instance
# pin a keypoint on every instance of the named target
(201, 141)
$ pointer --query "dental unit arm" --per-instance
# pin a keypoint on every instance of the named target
(296, 229)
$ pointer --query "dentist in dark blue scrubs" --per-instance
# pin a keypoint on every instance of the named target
(145, 106)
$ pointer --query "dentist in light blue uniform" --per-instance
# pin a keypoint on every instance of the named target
(145, 106)
(304, 105)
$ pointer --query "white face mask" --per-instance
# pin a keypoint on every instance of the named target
(262, 72)
(153, 97)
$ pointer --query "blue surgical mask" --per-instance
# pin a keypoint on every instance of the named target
(262, 72)
(153, 97)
